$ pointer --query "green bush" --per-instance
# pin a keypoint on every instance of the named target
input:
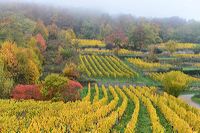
(6, 83)
(54, 85)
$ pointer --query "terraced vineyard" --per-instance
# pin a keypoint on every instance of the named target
(147, 65)
(105, 66)
(105, 110)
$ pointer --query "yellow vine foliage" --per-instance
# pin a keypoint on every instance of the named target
(186, 55)
(180, 46)
(147, 65)
(105, 66)
(89, 43)
(100, 115)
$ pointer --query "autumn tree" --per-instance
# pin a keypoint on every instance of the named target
(71, 44)
(6, 83)
(41, 42)
(53, 31)
(89, 30)
(105, 30)
(35, 50)
(40, 28)
(118, 38)
(71, 71)
(8, 52)
(22, 64)
(170, 46)
(29, 71)
(16, 28)
(54, 86)
(143, 35)
(69, 36)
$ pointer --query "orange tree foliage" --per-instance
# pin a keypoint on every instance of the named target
(22, 64)
(41, 42)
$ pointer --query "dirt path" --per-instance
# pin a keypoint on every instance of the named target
(187, 99)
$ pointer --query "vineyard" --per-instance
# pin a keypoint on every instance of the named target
(181, 76)
(107, 109)
(89, 43)
(94, 67)
(186, 55)
(120, 52)
(180, 46)
(147, 65)
(105, 66)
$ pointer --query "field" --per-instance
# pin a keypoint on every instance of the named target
(102, 109)
(105, 66)
(70, 70)
(89, 43)
(127, 94)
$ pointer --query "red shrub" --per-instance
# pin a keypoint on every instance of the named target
(71, 91)
(26, 92)
(41, 41)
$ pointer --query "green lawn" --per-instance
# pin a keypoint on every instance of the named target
(196, 98)
(190, 68)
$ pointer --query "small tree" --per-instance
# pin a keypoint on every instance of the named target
(69, 36)
(6, 83)
(71, 71)
(175, 82)
(171, 46)
(152, 54)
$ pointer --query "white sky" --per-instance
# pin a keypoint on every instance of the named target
(189, 9)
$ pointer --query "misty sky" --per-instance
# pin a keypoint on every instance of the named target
(189, 9)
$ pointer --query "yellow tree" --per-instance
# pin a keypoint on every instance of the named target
(70, 35)
(8, 52)
(171, 46)
(22, 64)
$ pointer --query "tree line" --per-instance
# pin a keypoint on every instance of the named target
(122, 30)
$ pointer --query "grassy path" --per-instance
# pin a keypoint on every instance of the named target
(83, 92)
(163, 121)
(126, 117)
(144, 122)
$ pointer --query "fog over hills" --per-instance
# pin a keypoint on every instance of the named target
(187, 9)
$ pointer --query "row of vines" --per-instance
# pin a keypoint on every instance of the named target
(99, 114)
(105, 66)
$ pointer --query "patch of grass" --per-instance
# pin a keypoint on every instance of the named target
(100, 93)
(190, 68)
(146, 80)
(83, 92)
(163, 121)
(125, 118)
(118, 105)
(110, 96)
(196, 92)
(92, 93)
(196, 98)
(110, 80)
(120, 99)
(167, 58)
(144, 123)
